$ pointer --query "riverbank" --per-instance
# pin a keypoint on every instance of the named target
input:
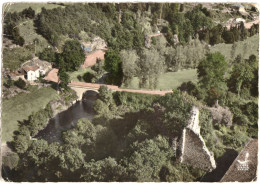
(65, 117)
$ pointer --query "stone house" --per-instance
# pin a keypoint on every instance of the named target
(44, 66)
(31, 73)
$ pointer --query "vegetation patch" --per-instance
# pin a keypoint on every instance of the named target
(28, 32)
(19, 108)
(13, 59)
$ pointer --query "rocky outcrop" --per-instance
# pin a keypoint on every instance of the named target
(193, 150)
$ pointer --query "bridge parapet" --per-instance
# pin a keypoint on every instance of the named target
(82, 87)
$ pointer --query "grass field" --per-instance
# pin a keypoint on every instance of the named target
(170, 80)
(18, 7)
(81, 71)
(247, 47)
(28, 32)
(21, 106)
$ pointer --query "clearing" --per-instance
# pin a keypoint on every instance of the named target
(170, 80)
(247, 47)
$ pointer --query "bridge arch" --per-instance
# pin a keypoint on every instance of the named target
(90, 94)
(80, 91)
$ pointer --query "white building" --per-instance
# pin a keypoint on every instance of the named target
(32, 73)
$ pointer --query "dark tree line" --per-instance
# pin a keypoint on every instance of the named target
(98, 19)
(12, 32)
(220, 34)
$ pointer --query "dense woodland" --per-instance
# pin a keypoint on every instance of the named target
(131, 136)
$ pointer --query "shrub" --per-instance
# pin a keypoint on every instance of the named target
(79, 77)
(88, 77)
(20, 83)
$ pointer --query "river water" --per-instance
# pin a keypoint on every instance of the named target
(67, 120)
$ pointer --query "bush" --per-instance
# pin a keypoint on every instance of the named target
(134, 100)
(79, 77)
(88, 77)
(20, 83)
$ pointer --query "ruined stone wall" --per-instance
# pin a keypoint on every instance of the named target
(195, 153)
(193, 150)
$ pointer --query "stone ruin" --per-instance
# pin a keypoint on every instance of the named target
(193, 150)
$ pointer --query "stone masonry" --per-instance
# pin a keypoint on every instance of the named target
(193, 150)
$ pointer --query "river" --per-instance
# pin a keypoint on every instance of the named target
(66, 120)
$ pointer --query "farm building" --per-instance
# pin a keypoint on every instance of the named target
(44, 66)
(31, 72)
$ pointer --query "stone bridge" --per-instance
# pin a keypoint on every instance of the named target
(83, 87)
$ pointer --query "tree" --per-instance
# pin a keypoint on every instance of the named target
(176, 113)
(150, 66)
(129, 60)
(106, 170)
(21, 143)
(101, 108)
(64, 79)
(71, 158)
(211, 71)
(147, 158)
(106, 96)
(233, 50)
(242, 75)
(20, 83)
(63, 76)
(181, 7)
(73, 55)
(28, 13)
(89, 77)
(49, 55)
(71, 137)
(113, 65)
(36, 152)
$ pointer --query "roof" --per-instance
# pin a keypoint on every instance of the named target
(91, 58)
(38, 62)
(244, 168)
(30, 68)
(52, 75)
